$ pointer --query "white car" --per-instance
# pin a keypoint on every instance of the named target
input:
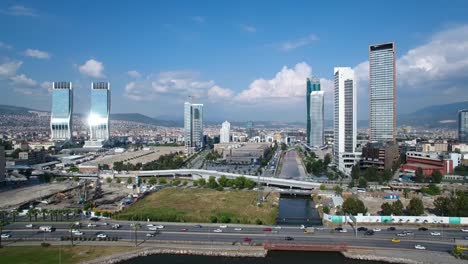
(105, 224)
(223, 226)
(218, 231)
(6, 235)
(277, 227)
(302, 227)
(435, 234)
(464, 230)
(152, 228)
(29, 226)
(149, 225)
(376, 229)
(420, 247)
(159, 226)
(78, 233)
(116, 226)
(150, 235)
(101, 236)
(91, 225)
(237, 229)
(73, 230)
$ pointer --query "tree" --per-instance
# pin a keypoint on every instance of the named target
(442, 206)
(284, 147)
(406, 192)
(201, 182)
(436, 176)
(355, 173)
(415, 207)
(119, 180)
(212, 182)
(76, 179)
(338, 190)
(162, 181)
(362, 183)
(326, 160)
(387, 209)
(371, 174)
(386, 175)
(353, 206)
(419, 175)
(152, 181)
(323, 187)
(397, 208)
(223, 181)
(431, 189)
(109, 180)
(129, 180)
(326, 210)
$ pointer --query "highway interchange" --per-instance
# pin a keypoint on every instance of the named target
(257, 234)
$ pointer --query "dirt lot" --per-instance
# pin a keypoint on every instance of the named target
(374, 200)
(134, 157)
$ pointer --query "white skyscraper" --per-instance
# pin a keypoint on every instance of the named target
(345, 119)
(98, 119)
(225, 132)
(62, 111)
(316, 119)
(193, 126)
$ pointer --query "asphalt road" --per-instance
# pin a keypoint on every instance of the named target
(205, 233)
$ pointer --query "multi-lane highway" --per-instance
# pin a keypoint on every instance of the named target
(242, 233)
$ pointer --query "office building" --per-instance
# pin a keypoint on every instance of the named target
(225, 132)
(249, 130)
(98, 119)
(463, 126)
(2, 163)
(242, 153)
(193, 126)
(312, 85)
(382, 86)
(345, 120)
(316, 137)
(62, 111)
(382, 156)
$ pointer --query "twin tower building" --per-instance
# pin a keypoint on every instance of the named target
(382, 122)
(61, 123)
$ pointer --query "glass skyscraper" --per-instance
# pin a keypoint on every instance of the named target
(193, 126)
(382, 86)
(225, 132)
(62, 110)
(316, 138)
(312, 85)
(463, 126)
(100, 111)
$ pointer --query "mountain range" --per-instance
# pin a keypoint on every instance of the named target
(436, 116)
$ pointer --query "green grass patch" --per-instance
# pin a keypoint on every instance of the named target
(203, 206)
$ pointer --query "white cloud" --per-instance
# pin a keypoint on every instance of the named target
(47, 86)
(8, 69)
(4, 45)
(92, 68)
(175, 84)
(134, 74)
(19, 10)
(294, 44)
(38, 54)
(249, 28)
(23, 80)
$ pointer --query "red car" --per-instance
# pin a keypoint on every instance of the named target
(184, 230)
(267, 229)
(247, 239)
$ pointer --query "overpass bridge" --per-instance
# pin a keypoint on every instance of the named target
(197, 174)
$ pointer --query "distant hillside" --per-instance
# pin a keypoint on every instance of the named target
(10, 109)
(135, 117)
(434, 116)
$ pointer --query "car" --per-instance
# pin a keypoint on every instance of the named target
(73, 230)
(78, 233)
(338, 228)
(160, 227)
(267, 229)
(435, 233)
(152, 228)
(420, 247)
(198, 226)
(401, 234)
(184, 230)
(101, 235)
(149, 235)
(5, 235)
(369, 232)
(307, 231)
(464, 230)
(362, 228)
(223, 226)
(422, 229)
(277, 227)
(247, 239)
(218, 230)
(343, 230)
(395, 240)
(105, 224)
(408, 233)
(376, 229)
(91, 225)
(466, 238)
(95, 219)
(29, 226)
(289, 238)
(149, 225)
(391, 228)
(115, 226)
(237, 229)
(302, 227)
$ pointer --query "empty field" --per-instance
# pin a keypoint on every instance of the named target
(203, 206)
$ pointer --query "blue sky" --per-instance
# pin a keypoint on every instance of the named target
(242, 59)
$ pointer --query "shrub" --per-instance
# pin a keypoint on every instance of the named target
(213, 219)
(258, 221)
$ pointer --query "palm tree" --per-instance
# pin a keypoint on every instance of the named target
(51, 214)
(2, 224)
(44, 214)
(30, 214)
(67, 213)
(72, 226)
(4, 215)
(14, 214)
(136, 226)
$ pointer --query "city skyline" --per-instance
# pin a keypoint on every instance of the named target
(147, 71)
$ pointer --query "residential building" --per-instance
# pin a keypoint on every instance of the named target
(32, 157)
(2, 164)
(313, 84)
(382, 156)
(435, 147)
(345, 120)
(428, 162)
(316, 119)
(463, 126)
(193, 126)
(243, 153)
(62, 111)
(225, 132)
(98, 119)
(382, 87)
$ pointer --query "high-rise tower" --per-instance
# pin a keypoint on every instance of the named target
(100, 110)
(193, 126)
(382, 86)
(62, 111)
(463, 126)
(312, 85)
(225, 132)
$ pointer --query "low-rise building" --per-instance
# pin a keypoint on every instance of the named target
(244, 153)
(379, 155)
(428, 162)
(32, 157)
